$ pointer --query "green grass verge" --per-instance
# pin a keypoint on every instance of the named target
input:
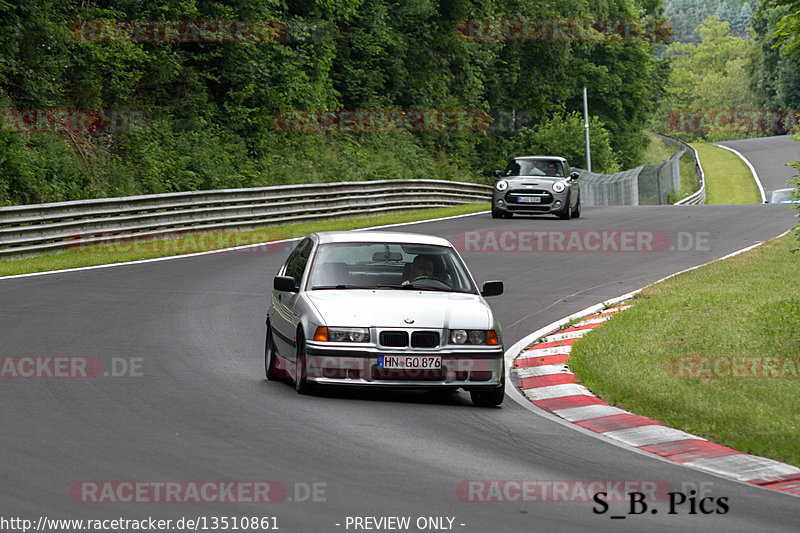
(690, 180)
(200, 242)
(657, 151)
(728, 180)
(665, 358)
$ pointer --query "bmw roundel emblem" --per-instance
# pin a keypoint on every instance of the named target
(409, 320)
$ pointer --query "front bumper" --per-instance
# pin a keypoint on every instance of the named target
(462, 368)
(532, 202)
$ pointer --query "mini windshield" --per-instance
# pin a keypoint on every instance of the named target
(388, 266)
(535, 167)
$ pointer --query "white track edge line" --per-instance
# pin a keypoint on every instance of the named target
(752, 171)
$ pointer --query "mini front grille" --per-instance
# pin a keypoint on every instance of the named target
(542, 197)
(398, 339)
(425, 339)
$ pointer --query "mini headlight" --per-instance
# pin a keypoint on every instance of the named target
(502, 185)
(559, 186)
(458, 336)
(348, 334)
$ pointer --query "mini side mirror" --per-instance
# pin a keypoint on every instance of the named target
(492, 288)
(497, 173)
(574, 176)
(284, 284)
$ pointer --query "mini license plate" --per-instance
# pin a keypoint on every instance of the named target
(410, 362)
(529, 199)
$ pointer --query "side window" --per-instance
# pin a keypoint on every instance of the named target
(296, 264)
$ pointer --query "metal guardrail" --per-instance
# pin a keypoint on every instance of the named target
(34, 229)
(698, 197)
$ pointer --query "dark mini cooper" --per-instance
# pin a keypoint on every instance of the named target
(537, 185)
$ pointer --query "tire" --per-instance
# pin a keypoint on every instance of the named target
(489, 398)
(566, 213)
(576, 213)
(301, 383)
(269, 356)
(497, 214)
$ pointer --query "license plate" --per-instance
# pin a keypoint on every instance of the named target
(409, 362)
(529, 199)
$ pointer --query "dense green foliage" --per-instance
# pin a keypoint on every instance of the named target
(776, 73)
(787, 29)
(199, 115)
(687, 15)
(727, 87)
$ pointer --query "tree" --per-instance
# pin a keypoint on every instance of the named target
(711, 77)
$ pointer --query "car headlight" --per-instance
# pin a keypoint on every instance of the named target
(341, 334)
(458, 336)
(473, 336)
(501, 185)
(559, 186)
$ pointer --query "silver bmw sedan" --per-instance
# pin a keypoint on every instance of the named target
(383, 309)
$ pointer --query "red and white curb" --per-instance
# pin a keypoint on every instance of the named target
(545, 379)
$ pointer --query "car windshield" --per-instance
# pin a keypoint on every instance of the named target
(782, 197)
(534, 167)
(390, 266)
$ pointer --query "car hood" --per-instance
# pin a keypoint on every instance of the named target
(391, 309)
(541, 181)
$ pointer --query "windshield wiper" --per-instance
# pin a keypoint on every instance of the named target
(333, 287)
(412, 287)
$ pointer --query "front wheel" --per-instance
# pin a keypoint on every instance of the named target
(576, 213)
(566, 213)
(269, 356)
(301, 383)
(497, 214)
(489, 398)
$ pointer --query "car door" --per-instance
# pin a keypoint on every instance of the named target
(284, 314)
(575, 187)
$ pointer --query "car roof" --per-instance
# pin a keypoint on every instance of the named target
(380, 236)
(541, 157)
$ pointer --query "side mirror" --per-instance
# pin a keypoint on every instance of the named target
(492, 288)
(574, 176)
(284, 284)
(497, 173)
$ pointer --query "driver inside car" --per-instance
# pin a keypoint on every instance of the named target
(422, 266)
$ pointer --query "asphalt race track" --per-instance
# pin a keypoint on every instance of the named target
(767, 155)
(196, 406)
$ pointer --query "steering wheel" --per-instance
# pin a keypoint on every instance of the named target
(435, 282)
